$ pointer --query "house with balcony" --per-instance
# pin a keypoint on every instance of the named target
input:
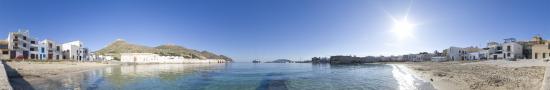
(20, 45)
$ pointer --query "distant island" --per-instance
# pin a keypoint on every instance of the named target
(281, 61)
(121, 46)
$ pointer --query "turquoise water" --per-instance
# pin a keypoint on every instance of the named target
(237, 76)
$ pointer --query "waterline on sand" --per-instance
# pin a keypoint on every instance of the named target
(407, 80)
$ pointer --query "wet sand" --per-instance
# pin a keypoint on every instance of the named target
(408, 79)
(24, 75)
(482, 75)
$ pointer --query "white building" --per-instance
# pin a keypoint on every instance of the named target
(22, 46)
(50, 50)
(484, 54)
(495, 51)
(474, 56)
(74, 51)
(98, 58)
(154, 58)
(439, 58)
(455, 53)
(512, 49)
(423, 56)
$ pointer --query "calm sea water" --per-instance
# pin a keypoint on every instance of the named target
(241, 76)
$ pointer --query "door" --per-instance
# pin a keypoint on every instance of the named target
(12, 54)
(50, 56)
(26, 54)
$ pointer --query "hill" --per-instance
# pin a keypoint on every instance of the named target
(281, 61)
(121, 46)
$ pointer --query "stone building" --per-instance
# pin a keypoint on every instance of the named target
(540, 48)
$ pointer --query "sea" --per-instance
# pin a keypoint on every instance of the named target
(240, 76)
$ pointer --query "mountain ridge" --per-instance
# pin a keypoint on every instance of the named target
(121, 46)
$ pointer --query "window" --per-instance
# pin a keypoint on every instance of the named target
(5, 52)
(508, 49)
(24, 37)
(43, 50)
(33, 42)
(543, 55)
(508, 54)
(32, 49)
(24, 44)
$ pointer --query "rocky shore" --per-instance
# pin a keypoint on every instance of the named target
(482, 75)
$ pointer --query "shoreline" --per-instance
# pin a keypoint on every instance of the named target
(31, 74)
(452, 75)
(485, 75)
(27, 75)
(408, 79)
(438, 84)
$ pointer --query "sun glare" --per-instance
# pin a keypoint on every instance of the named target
(403, 29)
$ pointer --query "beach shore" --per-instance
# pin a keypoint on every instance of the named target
(23, 75)
(482, 75)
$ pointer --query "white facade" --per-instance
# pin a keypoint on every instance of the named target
(474, 56)
(455, 53)
(495, 51)
(512, 50)
(154, 58)
(484, 54)
(439, 59)
(74, 51)
(95, 57)
(19, 44)
(49, 50)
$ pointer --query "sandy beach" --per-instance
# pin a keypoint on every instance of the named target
(482, 75)
(25, 74)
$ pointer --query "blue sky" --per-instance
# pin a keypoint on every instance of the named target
(273, 29)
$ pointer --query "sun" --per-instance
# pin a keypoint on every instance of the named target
(403, 29)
